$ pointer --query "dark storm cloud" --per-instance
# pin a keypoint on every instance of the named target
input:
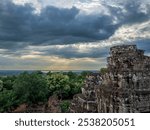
(52, 26)
(21, 27)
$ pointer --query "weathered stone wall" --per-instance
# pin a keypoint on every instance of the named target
(124, 88)
(86, 102)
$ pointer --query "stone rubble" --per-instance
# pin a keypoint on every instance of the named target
(124, 88)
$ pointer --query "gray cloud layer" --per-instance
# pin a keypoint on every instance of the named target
(20, 27)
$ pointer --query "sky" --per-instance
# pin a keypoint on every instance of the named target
(69, 34)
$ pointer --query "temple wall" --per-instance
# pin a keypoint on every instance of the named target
(124, 88)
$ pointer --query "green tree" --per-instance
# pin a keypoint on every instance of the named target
(49, 73)
(103, 70)
(75, 87)
(7, 100)
(71, 75)
(1, 85)
(8, 84)
(65, 106)
(31, 88)
(59, 84)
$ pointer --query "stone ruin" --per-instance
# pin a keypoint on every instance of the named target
(124, 88)
(86, 101)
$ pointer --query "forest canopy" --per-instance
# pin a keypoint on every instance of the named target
(35, 87)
